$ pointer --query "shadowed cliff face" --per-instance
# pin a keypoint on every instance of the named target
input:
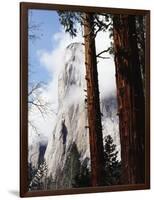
(36, 152)
(70, 127)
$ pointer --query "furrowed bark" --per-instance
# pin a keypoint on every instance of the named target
(94, 114)
(131, 105)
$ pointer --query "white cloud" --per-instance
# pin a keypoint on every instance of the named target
(53, 60)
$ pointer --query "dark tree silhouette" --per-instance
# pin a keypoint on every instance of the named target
(112, 168)
(131, 106)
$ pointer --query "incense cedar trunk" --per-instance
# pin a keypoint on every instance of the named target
(94, 116)
(131, 105)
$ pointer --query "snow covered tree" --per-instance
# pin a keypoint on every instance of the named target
(38, 180)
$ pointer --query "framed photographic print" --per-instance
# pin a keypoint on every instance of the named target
(85, 99)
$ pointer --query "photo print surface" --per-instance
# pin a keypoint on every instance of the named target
(86, 99)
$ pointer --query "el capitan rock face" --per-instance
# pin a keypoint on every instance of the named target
(68, 145)
(70, 128)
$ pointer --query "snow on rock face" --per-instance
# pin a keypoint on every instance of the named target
(71, 78)
(72, 115)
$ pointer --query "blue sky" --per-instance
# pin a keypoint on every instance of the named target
(49, 24)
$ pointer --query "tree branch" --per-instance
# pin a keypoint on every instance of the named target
(37, 86)
(104, 51)
(33, 127)
(103, 57)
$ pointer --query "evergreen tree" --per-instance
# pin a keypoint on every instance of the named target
(31, 172)
(71, 167)
(83, 177)
(112, 169)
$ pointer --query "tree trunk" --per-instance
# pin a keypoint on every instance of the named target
(131, 105)
(93, 103)
(140, 21)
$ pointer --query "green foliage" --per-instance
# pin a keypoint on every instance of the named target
(102, 22)
(69, 20)
(65, 176)
(72, 166)
(50, 183)
(112, 167)
(82, 179)
(31, 172)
